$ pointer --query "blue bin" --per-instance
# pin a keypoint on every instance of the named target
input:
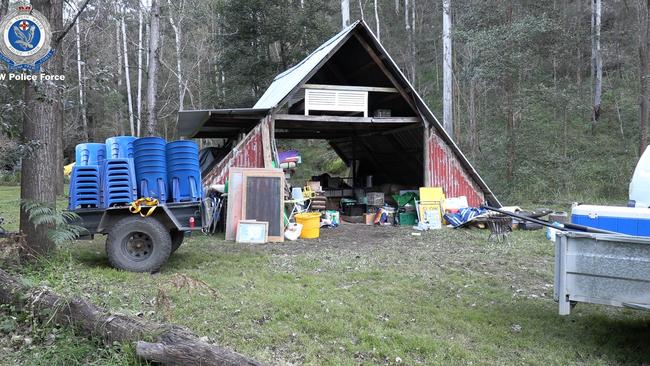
(119, 147)
(183, 171)
(90, 154)
(151, 167)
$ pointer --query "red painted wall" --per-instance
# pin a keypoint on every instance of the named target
(249, 153)
(445, 171)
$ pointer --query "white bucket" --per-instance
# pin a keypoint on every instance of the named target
(293, 231)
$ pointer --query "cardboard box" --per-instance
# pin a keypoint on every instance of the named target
(369, 218)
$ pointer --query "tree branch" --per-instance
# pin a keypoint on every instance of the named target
(60, 37)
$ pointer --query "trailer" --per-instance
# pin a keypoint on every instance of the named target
(607, 269)
(139, 242)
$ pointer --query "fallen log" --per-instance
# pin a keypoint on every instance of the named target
(164, 343)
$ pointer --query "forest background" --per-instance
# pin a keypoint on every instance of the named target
(525, 79)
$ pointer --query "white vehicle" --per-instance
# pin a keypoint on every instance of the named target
(640, 184)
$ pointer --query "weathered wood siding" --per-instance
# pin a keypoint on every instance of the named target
(444, 170)
(249, 153)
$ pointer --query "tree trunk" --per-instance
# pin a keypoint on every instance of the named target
(42, 127)
(409, 35)
(510, 113)
(447, 78)
(127, 77)
(378, 32)
(139, 96)
(644, 72)
(80, 85)
(578, 48)
(345, 13)
(473, 122)
(120, 60)
(596, 62)
(179, 69)
(56, 65)
(361, 10)
(173, 345)
(510, 133)
(154, 61)
(413, 45)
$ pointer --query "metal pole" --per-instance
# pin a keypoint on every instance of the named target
(567, 226)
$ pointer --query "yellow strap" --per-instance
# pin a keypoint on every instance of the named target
(136, 206)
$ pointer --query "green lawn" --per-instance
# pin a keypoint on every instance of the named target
(360, 295)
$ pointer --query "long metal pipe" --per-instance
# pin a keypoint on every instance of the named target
(567, 226)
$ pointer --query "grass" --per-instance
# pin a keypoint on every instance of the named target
(360, 295)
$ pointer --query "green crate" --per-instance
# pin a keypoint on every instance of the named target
(408, 218)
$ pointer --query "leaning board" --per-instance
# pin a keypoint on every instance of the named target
(235, 193)
(263, 200)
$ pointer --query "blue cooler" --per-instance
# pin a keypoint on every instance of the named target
(624, 220)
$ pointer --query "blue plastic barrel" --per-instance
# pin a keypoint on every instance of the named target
(183, 171)
(151, 167)
(119, 147)
(90, 154)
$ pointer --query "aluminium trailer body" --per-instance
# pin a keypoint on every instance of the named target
(607, 269)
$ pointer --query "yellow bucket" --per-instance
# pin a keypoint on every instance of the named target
(310, 222)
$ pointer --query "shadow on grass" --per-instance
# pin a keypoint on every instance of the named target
(618, 336)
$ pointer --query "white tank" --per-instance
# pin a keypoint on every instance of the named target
(640, 184)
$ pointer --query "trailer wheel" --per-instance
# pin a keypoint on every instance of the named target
(138, 244)
(177, 239)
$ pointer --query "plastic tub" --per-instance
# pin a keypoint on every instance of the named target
(119, 147)
(183, 171)
(151, 167)
(90, 154)
(310, 222)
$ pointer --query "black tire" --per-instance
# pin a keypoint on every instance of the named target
(177, 239)
(138, 244)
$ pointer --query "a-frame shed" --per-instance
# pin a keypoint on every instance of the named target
(351, 93)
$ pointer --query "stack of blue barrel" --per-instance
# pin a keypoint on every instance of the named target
(183, 171)
(151, 167)
(126, 168)
(85, 182)
(118, 173)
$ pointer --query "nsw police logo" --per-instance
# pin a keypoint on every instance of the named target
(26, 39)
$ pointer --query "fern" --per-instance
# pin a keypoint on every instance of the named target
(61, 225)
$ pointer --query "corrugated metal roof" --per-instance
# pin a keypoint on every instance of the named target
(285, 82)
(191, 123)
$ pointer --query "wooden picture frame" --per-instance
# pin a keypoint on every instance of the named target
(263, 200)
(252, 232)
